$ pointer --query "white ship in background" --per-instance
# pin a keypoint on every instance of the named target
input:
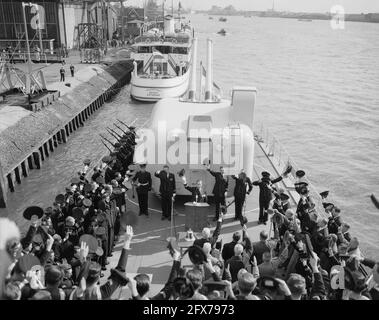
(162, 61)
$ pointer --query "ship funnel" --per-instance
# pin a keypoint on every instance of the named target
(209, 76)
(192, 88)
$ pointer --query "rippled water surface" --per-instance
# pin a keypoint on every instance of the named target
(318, 92)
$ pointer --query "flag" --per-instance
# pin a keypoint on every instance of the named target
(157, 54)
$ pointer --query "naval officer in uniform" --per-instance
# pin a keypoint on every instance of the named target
(142, 180)
(265, 194)
(167, 190)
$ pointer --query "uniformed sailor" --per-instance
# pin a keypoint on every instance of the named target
(142, 181)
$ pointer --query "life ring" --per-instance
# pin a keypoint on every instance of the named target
(174, 41)
(148, 40)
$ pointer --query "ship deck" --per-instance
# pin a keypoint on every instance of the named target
(149, 253)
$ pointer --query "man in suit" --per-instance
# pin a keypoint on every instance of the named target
(198, 193)
(220, 189)
(265, 194)
(167, 189)
(261, 247)
(240, 191)
(143, 181)
(228, 249)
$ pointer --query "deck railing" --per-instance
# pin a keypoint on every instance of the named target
(280, 159)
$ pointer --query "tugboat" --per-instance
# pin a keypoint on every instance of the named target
(161, 62)
(223, 128)
(222, 19)
(222, 32)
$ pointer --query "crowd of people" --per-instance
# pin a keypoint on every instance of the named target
(64, 253)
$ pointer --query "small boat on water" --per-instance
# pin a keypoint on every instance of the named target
(161, 62)
(305, 20)
(222, 19)
(222, 32)
(210, 18)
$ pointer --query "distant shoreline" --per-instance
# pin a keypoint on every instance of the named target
(363, 17)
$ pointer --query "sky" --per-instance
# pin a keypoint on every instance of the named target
(351, 6)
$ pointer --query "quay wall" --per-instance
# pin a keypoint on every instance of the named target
(26, 144)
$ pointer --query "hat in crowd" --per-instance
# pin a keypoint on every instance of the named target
(26, 262)
(75, 180)
(87, 162)
(300, 173)
(107, 159)
(70, 221)
(77, 213)
(296, 283)
(278, 218)
(243, 220)
(41, 295)
(328, 206)
(181, 173)
(59, 199)
(301, 184)
(100, 180)
(129, 172)
(33, 211)
(87, 202)
(142, 165)
(322, 224)
(196, 255)
(266, 174)
(117, 145)
(284, 196)
(93, 246)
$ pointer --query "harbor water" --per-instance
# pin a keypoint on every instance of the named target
(317, 93)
